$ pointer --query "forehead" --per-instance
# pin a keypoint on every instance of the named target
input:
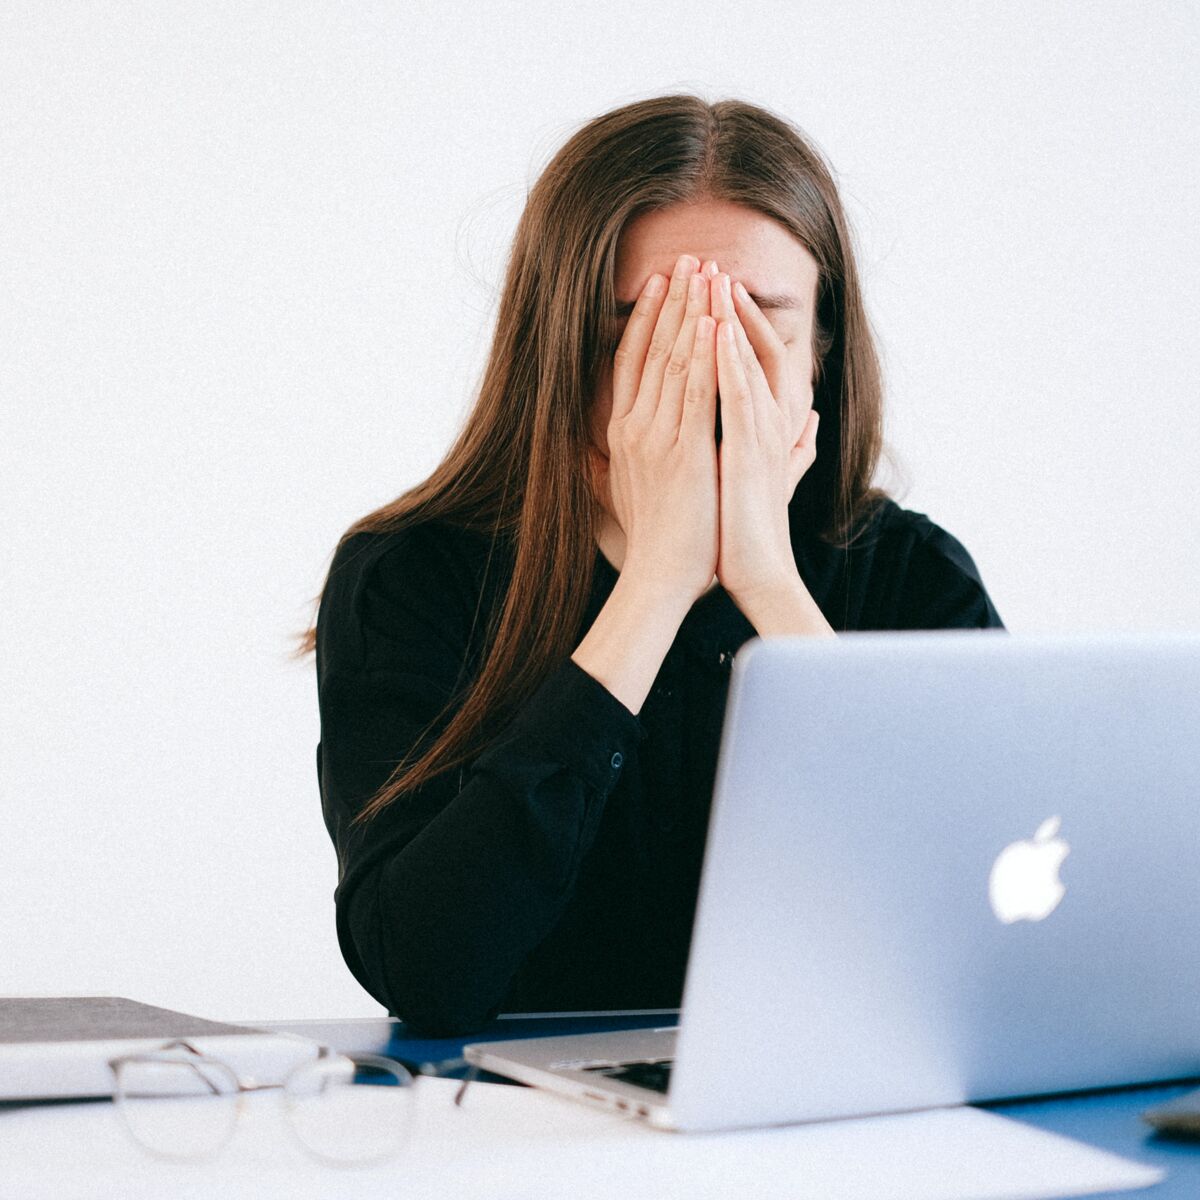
(765, 256)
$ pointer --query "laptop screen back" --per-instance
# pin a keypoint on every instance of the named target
(892, 814)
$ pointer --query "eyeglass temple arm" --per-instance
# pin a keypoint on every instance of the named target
(182, 1043)
(470, 1076)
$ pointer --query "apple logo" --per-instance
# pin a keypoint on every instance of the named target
(1024, 883)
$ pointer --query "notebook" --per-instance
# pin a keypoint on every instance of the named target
(942, 867)
(54, 1047)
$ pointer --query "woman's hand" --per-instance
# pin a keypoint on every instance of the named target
(768, 442)
(662, 472)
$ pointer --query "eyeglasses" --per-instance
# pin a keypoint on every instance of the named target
(179, 1104)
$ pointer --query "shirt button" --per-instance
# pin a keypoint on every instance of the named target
(617, 759)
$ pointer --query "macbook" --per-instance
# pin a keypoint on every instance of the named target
(942, 867)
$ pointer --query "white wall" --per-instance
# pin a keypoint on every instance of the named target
(249, 256)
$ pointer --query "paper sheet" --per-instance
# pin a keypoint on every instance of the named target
(507, 1142)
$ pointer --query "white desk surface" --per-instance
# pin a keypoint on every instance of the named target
(518, 1142)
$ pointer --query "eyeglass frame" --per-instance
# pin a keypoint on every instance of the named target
(249, 1085)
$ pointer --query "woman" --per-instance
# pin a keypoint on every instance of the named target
(523, 661)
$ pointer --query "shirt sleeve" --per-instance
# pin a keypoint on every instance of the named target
(941, 586)
(443, 896)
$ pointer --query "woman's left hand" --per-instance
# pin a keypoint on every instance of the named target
(768, 442)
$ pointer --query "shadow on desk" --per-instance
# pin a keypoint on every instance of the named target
(443, 1056)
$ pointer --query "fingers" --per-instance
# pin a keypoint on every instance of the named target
(631, 352)
(808, 438)
(737, 400)
(804, 452)
(699, 414)
(662, 342)
(678, 381)
(758, 331)
(758, 365)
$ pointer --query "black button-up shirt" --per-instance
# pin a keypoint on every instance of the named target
(560, 869)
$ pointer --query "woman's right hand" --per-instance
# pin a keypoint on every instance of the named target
(662, 469)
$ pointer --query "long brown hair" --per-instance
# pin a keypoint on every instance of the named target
(519, 468)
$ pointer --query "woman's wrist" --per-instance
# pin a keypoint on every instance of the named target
(626, 645)
(785, 608)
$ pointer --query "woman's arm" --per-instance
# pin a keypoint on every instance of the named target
(788, 610)
(446, 893)
(626, 645)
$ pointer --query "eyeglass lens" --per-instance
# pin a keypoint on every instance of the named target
(351, 1108)
(177, 1109)
(341, 1108)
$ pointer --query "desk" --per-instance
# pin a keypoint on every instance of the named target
(508, 1141)
(1108, 1120)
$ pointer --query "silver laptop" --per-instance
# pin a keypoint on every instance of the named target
(942, 867)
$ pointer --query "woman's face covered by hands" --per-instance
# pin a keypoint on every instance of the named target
(775, 268)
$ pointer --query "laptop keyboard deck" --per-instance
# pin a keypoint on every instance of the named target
(654, 1074)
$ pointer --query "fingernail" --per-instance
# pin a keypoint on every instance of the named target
(723, 284)
(741, 291)
(685, 265)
